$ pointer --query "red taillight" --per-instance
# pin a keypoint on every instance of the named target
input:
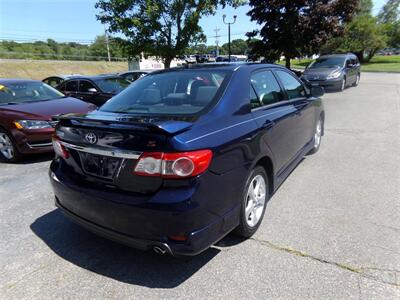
(59, 149)
(173, 165)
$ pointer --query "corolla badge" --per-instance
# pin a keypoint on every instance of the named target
(91, 138)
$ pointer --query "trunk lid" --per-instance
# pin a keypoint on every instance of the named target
(104, 147)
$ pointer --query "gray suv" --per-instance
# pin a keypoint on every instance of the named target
(336, 71)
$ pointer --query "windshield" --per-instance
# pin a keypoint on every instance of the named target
(179, 92)
(112, 85)
(327, 62)
(21, 92)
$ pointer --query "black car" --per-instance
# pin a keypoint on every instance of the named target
(56, 80)
(226, 59)
(184, 156)
(336, 71)
(94, 89)
(134, 75)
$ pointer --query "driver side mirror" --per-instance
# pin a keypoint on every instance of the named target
(92, 90)
(316, 91)
(349, 64)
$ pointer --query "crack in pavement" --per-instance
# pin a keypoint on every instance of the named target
(362, 271)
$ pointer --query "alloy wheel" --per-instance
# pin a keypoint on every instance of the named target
(256, 196)
(318, 134)
(6, 146)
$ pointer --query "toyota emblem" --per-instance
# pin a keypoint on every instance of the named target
(91, 138)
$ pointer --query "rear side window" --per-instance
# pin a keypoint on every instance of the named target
(266, 88)
(85, 86)
(178, 92)
(293, 87)
(53, 81)
(71, 86)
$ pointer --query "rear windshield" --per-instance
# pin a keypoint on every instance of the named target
(327, 62)
(178, 92)
(21, 92)
(112, 85)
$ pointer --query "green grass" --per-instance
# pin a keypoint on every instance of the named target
(39, 69)
(377, 64)
(383, 64)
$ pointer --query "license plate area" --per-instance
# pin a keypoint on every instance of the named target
(99, 165)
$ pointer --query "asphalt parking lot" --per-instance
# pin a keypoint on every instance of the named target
(332, 231)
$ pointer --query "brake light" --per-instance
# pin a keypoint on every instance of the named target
(59, 149)
(173, 165)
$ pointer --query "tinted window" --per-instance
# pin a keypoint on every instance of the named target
(20, 92)
(175, 93)
(293, 87)
(53, 81)
(85, 85)
(266, 87)
(327, 62)
(71, 86)
(112, 85)
(254, 101)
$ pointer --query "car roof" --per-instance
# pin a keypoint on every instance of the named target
(223, 66)
(16, 80)
(137, 71)
(95, 77)
(338, 55)
(65, 77)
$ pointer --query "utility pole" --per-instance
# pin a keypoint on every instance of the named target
(108, 44)
(229, 32)
(216, 40)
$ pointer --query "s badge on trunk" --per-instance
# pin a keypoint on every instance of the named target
(91, 138)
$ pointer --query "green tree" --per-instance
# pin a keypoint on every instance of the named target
(389, 17)
(389, 12)
(365, 7)
(298, 27)
(163, 28)
(238, 47)
(364, 36)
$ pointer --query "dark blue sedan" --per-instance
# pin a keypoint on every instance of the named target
(182, 157)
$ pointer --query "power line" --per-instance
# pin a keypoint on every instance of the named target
(61, 55)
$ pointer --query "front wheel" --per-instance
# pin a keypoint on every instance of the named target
(8, 150)
(254, 201)
(357, 80)
(317, 136)
(342, 85)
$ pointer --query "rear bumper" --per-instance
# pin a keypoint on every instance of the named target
(113, 235)
(143, 224)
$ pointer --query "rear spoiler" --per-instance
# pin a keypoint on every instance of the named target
(170, 127)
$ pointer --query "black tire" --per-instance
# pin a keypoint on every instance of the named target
(16, 155)
(244, 230)
(343, 85)
(357, 80)
(317, 144)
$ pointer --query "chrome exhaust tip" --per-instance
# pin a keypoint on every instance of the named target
(159, 250)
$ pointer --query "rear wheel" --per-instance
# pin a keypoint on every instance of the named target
(317, 136)
(8, 151)
(254, 201)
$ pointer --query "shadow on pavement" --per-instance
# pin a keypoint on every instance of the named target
(35, 158)
(113, 260)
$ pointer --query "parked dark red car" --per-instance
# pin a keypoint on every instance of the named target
(26, 110)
